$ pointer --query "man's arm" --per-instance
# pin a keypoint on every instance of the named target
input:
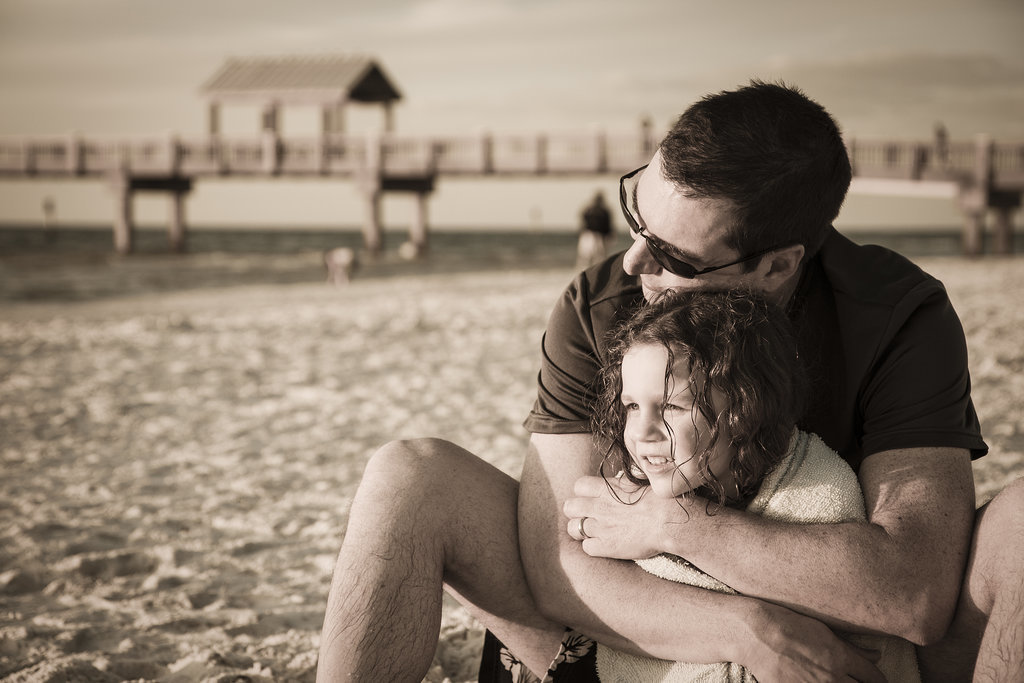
(619, 604)
(899, 573)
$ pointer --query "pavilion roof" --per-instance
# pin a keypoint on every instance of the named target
(320, 79)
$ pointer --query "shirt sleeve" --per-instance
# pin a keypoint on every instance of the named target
(919, 394)
(569, 365)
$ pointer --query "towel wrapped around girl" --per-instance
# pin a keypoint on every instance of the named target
(812, 484)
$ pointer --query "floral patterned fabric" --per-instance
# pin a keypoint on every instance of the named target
(575, 662)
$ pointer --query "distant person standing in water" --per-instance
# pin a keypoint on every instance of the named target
(595, 233)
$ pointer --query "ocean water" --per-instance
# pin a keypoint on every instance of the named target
(78, 263)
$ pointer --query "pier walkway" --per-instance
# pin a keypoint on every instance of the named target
(980, 175)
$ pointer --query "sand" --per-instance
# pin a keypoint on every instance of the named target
(177, 467)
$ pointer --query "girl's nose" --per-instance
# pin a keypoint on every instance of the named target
(646, 426)
(638, 259)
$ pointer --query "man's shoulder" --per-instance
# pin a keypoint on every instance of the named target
(604, 286)
(595, 300)
(873, 275)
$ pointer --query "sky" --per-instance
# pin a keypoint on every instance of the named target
(133, 68)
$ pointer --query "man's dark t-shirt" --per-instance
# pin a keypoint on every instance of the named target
(883, 347)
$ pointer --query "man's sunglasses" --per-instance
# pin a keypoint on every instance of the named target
(627, 190)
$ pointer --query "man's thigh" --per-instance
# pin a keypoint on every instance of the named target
(470, 507)
(995, 570)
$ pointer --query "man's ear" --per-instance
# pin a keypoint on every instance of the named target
(782, 266)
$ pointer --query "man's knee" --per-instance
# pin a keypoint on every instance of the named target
(998, 552)
(420, 468)
(1010, 501)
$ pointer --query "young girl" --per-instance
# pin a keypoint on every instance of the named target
(700, 396)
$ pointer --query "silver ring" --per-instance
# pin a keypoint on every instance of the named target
(582, 532)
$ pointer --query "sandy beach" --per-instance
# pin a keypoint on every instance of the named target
(178, 466)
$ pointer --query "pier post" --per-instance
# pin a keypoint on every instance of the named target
(486, 152)
(418, 227)
(974, 197)
(176, 223)
(124, 230)
(213, 119)
(373, 239)
(271, 153)
(1002, 231)
(75, 165)
(332, 119)
(173, 154)
(1003, 203)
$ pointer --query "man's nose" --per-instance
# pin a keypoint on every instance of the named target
(638, 259)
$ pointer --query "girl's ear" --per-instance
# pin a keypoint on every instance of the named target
(782, 266)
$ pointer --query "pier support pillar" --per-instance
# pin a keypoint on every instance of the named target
(176, 222)
(124, 228)
(213, 119)
(373, 234)
(125, 186)
(1002, 231)
(418, 232)
(1004, 203)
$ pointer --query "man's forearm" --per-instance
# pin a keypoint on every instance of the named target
(898, 574)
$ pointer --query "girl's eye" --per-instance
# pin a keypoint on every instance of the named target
(672, 406)
(631, 406)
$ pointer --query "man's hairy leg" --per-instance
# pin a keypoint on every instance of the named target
(427, 514)
(987, 634)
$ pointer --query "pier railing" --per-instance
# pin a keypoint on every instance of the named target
(562, 154)
(336, 155)
(980, 174)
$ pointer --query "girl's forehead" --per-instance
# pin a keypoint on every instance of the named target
(651, 359)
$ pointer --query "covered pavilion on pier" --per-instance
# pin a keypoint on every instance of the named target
(329, 82)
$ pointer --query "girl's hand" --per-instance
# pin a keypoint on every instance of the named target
(619, 520)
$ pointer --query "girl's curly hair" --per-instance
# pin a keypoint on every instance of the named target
(735, 342)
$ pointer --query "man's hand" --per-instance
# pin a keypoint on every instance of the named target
(787, 646)
(622, 521)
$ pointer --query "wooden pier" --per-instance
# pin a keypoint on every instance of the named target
(980, 175)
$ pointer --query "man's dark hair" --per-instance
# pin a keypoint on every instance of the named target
(777, 155)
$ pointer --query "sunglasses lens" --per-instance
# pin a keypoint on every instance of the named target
(672, 265)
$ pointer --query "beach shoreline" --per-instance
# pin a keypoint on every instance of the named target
(179, 464)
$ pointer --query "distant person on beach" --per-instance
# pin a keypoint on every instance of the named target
(341, 264)
(700, 395)
(741, 193)
(595, 233)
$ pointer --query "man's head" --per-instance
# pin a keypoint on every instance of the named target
(759, 169)
(776, 155)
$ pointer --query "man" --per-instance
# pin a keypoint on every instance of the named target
(741, 193)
